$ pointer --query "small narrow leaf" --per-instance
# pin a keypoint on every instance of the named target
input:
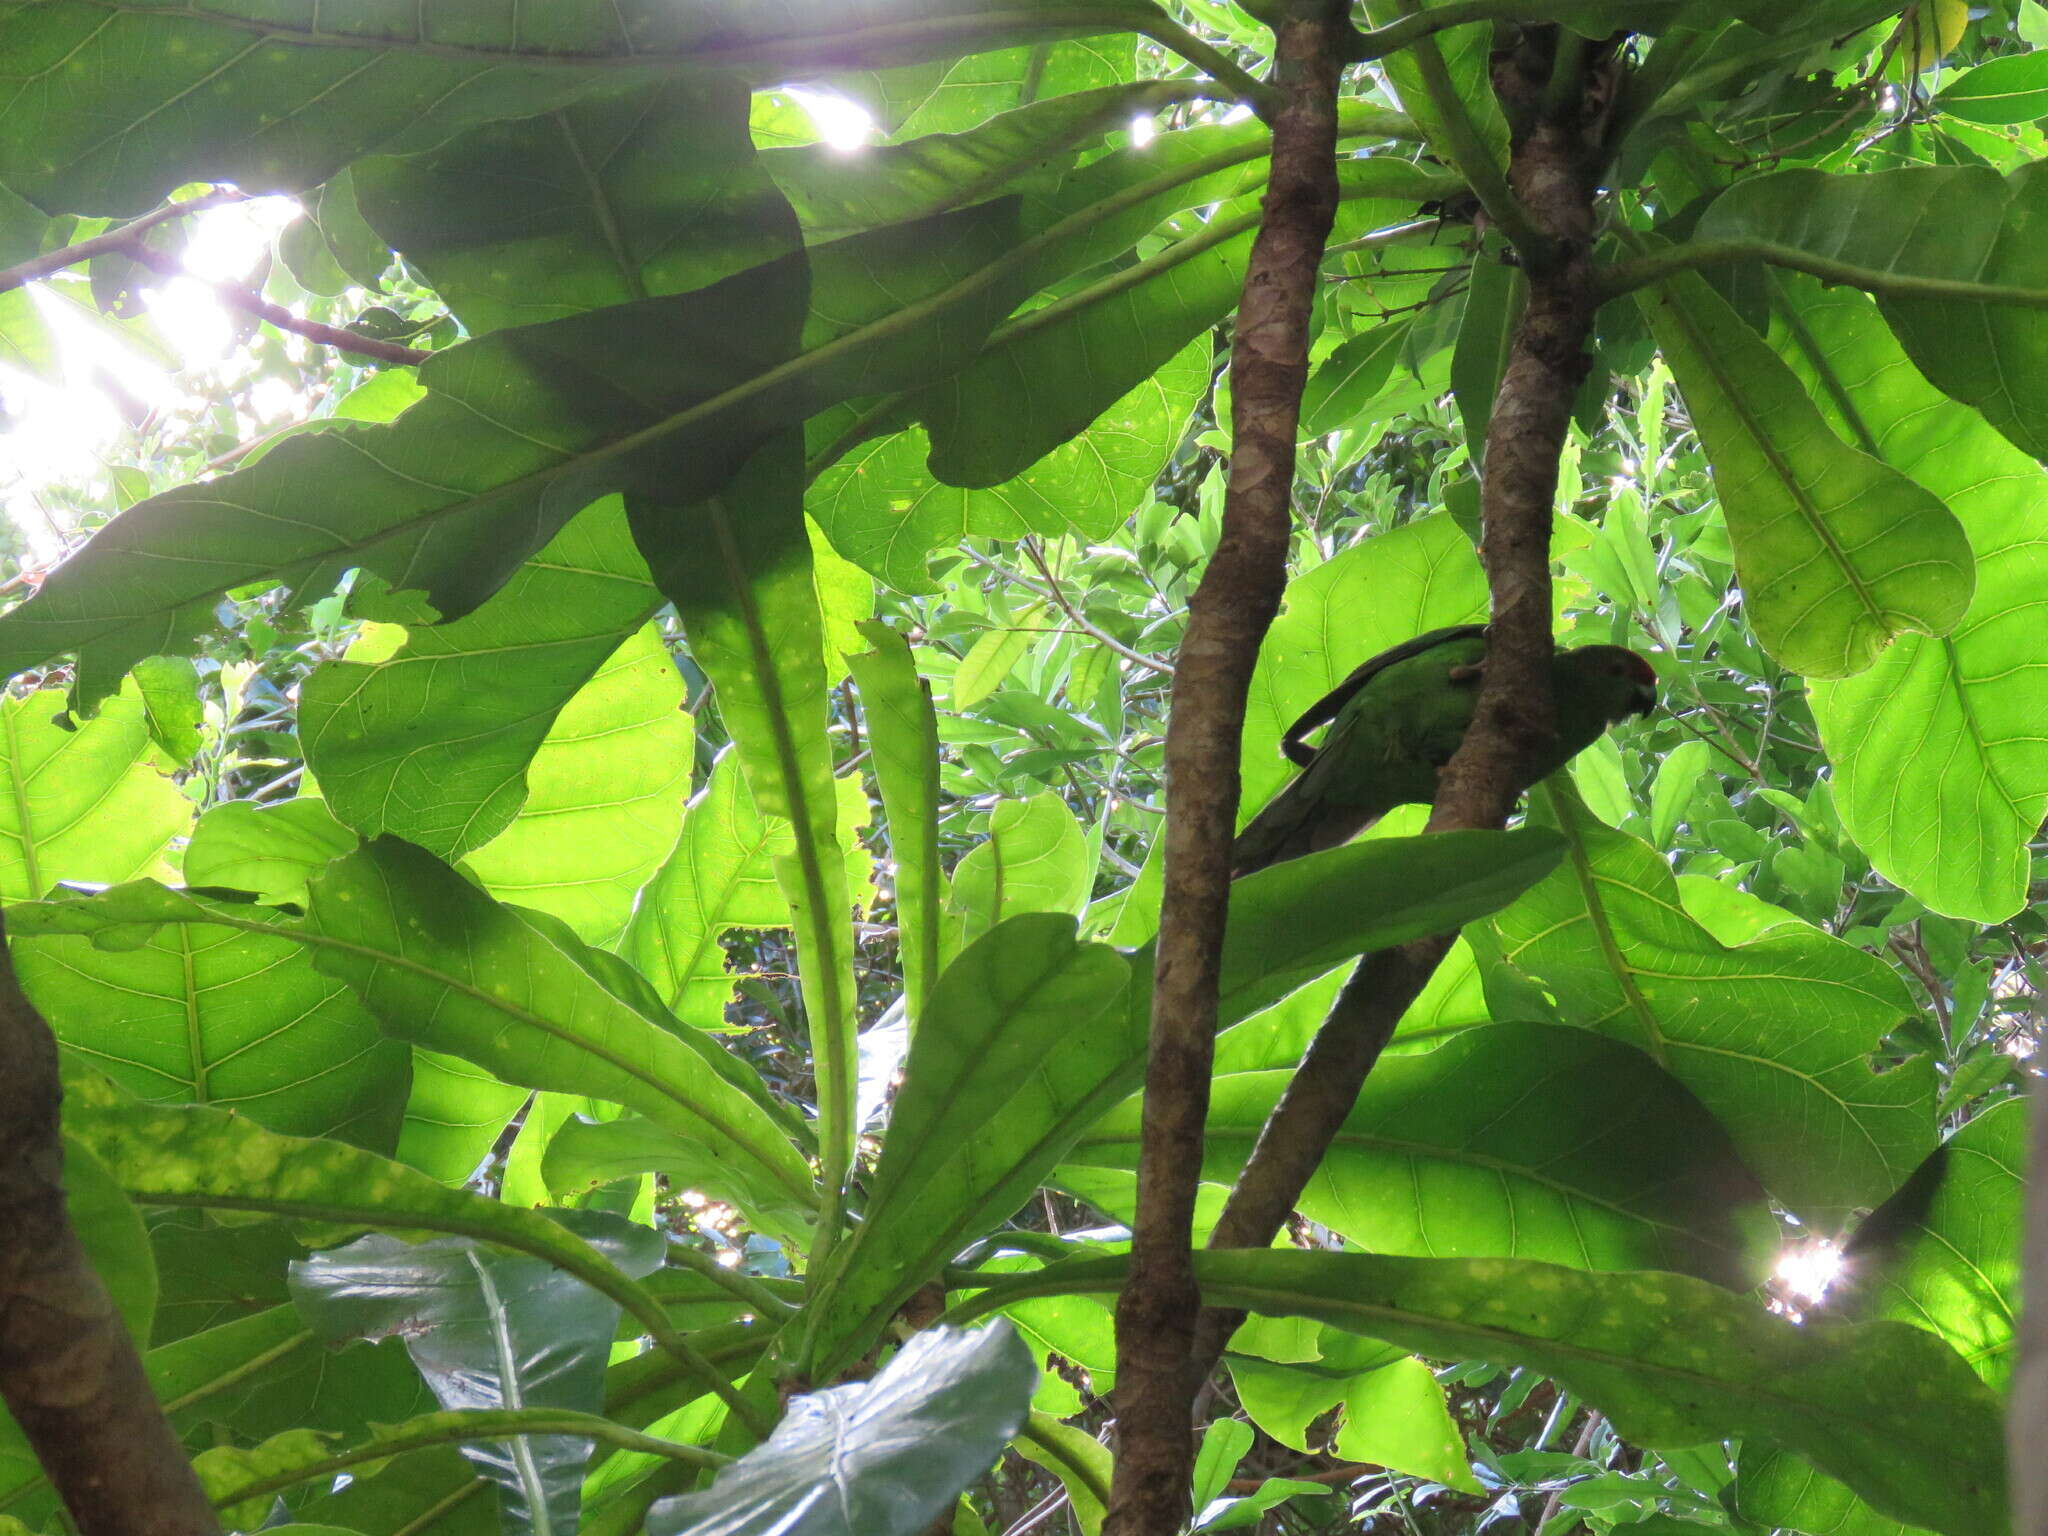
(739, 570)
(903, 732)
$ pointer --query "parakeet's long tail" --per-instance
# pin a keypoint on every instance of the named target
(1296, 821)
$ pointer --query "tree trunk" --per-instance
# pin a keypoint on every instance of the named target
(1551, 175)
(69, 1372)
(2026, 1434)
(1227, 619)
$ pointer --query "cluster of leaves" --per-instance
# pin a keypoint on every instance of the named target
(777, 534)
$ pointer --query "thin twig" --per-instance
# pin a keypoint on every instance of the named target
(1150, 663)
(1059, 595)
(1177, 39)
(37, 267)
(1579, 1448)
(235, 295)
(1471, 154)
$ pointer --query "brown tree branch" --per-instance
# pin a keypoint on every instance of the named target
(1551, 174)
(128, 241)
(238, 297)
(1227, 618)
(2027, 1415)
(69, 1372)
(120, 239)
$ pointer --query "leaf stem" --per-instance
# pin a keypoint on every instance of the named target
(745, 1287)
(1469, 153)
(119, 239)
(1219, 66)
(460, 1425)
(1627, 276)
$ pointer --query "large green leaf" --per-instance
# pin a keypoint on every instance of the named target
(1035, 859)
(1774, 1036)
(522, 429)
(875, 1458)
(441, 964)
(903, 734)
(1462, 55)
(268, 850)
(883, 509)
(1961, 224)
(1394, 1413)
(1050, 372)
(954, 95)
(1377, 593)
(604, 797)
(489, 1330)
(84, 805)
(1288, 924)
(276, 104)
(1526, 1141)
(621, 196)
(431, 742)
(209, 1273)
(111, 1232)
(1836, 551)
(454, 1116)
(2010, 89)
(1778, 1489)
(739, 570)
(1942, 1254)
(196, 1379)
(437, 1492)
(233, 1017)
(994, 1044)
(1671, 1361)
(210, 1159)
(1940, 773)
(1028, 148)
(415, 938)
(1495, 296)
(720, 876)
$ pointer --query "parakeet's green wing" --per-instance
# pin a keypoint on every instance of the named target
(1398, 718)
(1327, 708)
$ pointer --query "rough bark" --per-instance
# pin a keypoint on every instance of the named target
(2026, 1433)
(1227, 618)
(1551, 175)
(69, 1372)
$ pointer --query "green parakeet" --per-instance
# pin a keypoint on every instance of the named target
(1395, 722)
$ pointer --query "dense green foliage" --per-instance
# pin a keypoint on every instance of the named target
(610, 875)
